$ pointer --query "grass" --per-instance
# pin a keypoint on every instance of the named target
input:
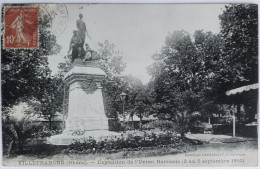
(42, 151)
(48, 151)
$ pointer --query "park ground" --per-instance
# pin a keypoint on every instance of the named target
(216, 150)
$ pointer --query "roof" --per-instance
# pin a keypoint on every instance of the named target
(242, 89)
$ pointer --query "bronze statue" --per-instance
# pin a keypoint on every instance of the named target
(82, 29)
(77, 41)
(88, 53)
(75, 46)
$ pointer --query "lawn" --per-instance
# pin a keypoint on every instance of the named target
(50, 152)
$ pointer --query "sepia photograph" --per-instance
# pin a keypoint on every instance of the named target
(129, 85)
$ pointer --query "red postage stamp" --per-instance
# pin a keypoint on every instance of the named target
(21, 27)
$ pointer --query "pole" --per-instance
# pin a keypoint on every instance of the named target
(64, 107)
(257, 116)
(233, 116)
(124, 116)
(234, 121)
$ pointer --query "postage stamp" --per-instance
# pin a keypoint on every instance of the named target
(21, 27)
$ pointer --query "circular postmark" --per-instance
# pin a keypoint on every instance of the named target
(57, 14)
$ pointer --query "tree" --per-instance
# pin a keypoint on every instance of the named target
(115, 83)
(24, 71)
(19, 131)
(136, 102)
(183, 74)
(51, 101)
(112, 59)
(239, 57)
(26, 77)
(112, 64)
(141, 109)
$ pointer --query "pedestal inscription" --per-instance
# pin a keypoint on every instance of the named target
(86, 111)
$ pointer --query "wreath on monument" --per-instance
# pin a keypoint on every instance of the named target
(88, 86)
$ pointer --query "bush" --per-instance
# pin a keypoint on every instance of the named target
(201, 128)
(129, 142)
(228, 129)
(17, 133)
(161, 124)
(222, 129)
(114, 125)
(47, 133)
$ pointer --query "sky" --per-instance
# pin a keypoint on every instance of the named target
(137, 30)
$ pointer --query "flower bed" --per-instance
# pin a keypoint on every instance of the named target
(130, 142)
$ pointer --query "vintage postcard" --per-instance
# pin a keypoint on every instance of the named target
(129, 85)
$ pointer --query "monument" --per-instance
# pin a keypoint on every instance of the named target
(85, 107)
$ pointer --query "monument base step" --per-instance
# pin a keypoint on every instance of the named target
(69, 137)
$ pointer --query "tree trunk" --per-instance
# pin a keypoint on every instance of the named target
(20, 147)
(10, 148)
(141, 123)
(249, 113)
(182, 133)
(182, 125)
(50, 123)
(218, 117)
(246, 112)
(133, 127)
(238, 112)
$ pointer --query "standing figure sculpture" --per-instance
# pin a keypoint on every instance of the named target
(77, 42)
(82, 29)
(75, 46)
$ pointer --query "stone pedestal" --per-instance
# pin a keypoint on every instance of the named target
(86, 108)
(86, 114)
